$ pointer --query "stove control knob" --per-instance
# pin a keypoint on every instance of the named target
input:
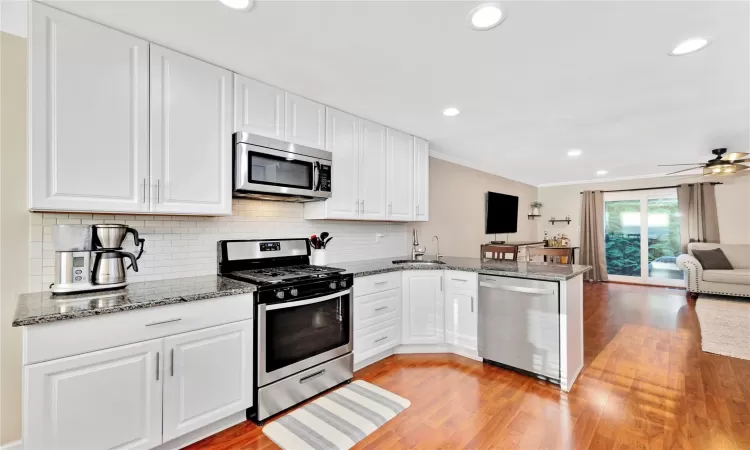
(342, 283)
(293, 292)
(280, 295)
(332, 285)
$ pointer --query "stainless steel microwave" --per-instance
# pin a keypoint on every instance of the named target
(271, 169)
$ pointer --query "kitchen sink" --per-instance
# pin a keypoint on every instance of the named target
(420, 262)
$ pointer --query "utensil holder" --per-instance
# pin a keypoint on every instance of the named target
(318, 257)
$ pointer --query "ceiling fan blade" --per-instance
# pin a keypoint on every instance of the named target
(684, 170)
(741, 160)
(693, 164)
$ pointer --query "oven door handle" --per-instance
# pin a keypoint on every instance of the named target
(306, 302)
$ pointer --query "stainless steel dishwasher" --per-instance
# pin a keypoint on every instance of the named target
(519, 324)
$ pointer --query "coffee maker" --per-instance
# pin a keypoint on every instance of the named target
(90, 257)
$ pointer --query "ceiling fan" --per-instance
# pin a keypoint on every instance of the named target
(724, 163)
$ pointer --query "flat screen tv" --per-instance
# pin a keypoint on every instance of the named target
(501, 213)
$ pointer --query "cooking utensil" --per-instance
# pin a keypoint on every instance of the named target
(323, 236)
(314, 241)
(325, 244)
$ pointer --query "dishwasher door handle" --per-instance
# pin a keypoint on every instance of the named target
(522, 289)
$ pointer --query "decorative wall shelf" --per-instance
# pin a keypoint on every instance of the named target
(553, 221)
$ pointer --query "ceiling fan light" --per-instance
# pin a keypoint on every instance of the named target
(734, 156)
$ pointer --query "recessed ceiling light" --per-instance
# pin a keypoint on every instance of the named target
(601, 172)
(450, 112)
(575, 152)
(485, 17)
(689, 46)
(240, 5)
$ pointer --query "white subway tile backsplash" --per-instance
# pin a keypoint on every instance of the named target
(185, 246)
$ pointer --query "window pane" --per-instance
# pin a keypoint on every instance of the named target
(622, 237)
(663, 239)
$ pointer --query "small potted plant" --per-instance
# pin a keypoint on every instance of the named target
(535, 208)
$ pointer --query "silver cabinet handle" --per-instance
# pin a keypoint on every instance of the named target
(157, 366)
(171, 361)
(163, 322)
(390, 208)
(441, 283)
(472, 304)
(312, 376)
(157, 191)
(144, 190)
(459, 279)
(356, 205)
(381, 339)
(363, 206)
(417, 209)
(381, 308)
(380, 282)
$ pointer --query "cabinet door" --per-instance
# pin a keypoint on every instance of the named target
(342, 139)
(305, 121)
(110, 399)
(400, 176)
(191, 135)
(461, 318)
(423, 307)
(421, 179)
(88, 136)
(207, 376)
(372, 166)
(258, 108)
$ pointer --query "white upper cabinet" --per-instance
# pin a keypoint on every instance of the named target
(258, 108)
(88, 136)
(342, 139)
(422, 296)
(400, 176)
(421, 179)
(207, 376)
(372, 170)
(305, 121)
(109, 399)
(191, 135)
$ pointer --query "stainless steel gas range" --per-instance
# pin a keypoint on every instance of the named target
(303, 321)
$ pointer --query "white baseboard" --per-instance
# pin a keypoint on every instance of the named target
(17, 445)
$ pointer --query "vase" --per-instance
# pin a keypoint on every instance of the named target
(535, 211)
(318, 257)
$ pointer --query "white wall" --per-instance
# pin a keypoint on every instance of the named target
(732, 202)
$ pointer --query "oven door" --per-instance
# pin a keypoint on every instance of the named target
(266, 170)
(295, 336)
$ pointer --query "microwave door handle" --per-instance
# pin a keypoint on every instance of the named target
(316, 176)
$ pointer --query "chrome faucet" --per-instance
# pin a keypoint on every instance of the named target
(437, 252)
(417, 252)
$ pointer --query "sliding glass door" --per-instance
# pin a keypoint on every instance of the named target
(642, 237)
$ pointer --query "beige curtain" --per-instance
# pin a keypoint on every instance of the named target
(699, 220)
(592, 235)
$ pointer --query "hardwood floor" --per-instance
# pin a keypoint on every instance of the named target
(646, 384)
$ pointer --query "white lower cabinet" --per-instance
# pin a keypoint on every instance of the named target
(461, 318)
(207, 376)
(138, 396)
(109, 399)
(422, 317)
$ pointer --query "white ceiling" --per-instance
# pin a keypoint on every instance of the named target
(553, 76)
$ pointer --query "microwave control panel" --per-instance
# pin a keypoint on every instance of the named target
(325, 178)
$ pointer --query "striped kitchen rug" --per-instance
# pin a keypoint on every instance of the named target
(338, 420)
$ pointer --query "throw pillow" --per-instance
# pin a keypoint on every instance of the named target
(713, 259)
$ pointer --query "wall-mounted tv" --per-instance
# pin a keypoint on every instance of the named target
(501, 213)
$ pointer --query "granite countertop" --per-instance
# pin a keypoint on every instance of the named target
(44, 307)
(520, 269)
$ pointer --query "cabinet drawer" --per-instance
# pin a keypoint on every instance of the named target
(460, 280)
(54, 340)
(375, 308)
(376, 283)
(375, 339)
